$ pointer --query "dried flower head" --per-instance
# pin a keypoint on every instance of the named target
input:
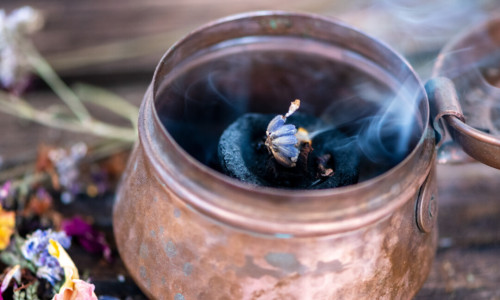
(66, 164)
(35, 249)
(14, 67)
(281, 140)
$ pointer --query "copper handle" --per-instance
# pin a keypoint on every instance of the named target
(444, 103)
(426, 208)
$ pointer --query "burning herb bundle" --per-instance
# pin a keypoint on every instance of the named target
(263, 150)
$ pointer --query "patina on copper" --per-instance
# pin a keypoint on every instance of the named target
(186, 231)
(460, 61)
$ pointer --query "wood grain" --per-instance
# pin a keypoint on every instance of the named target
(467, 264)
(90, 37)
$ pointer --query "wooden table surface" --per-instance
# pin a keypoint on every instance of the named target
(467, 264)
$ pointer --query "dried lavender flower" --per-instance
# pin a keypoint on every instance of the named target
(281, 140)
(14, 67)
(66, 163)
(35, 249)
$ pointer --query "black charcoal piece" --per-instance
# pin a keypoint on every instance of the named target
(330, 161)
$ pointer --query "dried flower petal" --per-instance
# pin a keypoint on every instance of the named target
(285, 140)
(7, 225)
(14, 273)
(275, 124)
(35, 249)
(70, 271)
(81, 291)
(39, 203)
(281, 140)
(66, 165)
(91, 240)
(287, 129)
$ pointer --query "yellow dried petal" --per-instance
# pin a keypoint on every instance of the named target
(70, 270)
(302, 136)
(7, 225)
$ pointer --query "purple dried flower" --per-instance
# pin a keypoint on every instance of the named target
(41, 193)
(91, 239)
(35, 249)
(281, 140)
(100, 179)
(66, 164)
(51, 274)
(5, 190)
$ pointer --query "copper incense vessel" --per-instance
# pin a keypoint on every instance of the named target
(186, 231)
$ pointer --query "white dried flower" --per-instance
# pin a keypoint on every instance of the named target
(281, 140)
(14, 28)
(25, 20)
(66, 163)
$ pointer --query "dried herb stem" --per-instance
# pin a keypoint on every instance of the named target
(107, 100)
(115, 51)
(22, 109)
(47, 73)
(80, 120)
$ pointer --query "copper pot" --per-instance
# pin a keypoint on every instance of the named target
(185, 231)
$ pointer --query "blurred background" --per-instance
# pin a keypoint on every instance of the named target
(117, 43)
(90, 37)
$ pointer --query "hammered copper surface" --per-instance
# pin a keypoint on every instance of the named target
(186, 232)
(171, 249)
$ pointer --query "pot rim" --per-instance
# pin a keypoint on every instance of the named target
(349, 207)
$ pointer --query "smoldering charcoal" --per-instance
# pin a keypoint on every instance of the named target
(218, 111)
(243, 156)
